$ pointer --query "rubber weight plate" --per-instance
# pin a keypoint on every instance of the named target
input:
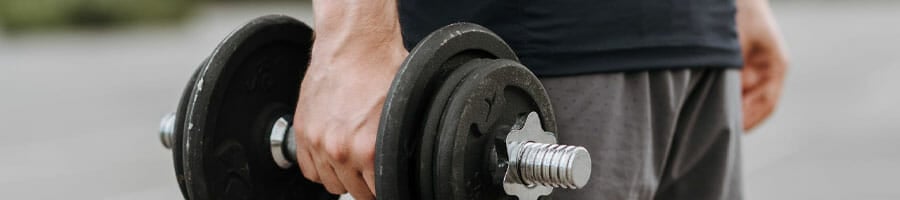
(177, 149)
(252, 78)
(412, 93)
(435, 113)
(482, 108)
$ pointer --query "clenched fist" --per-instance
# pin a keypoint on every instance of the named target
(765, 60)
(356, 54)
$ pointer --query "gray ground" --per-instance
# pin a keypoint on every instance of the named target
(79, 111)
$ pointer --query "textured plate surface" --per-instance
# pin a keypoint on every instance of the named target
(430, 130)
(251, 78)
(482, 109)
(411, 95)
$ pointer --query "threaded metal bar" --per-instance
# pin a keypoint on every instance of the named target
(550, 165)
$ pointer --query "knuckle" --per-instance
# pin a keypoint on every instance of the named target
(312, 138)
(365, 157)
(337, 151)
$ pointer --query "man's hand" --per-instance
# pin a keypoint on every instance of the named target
(765, 60)
(356, 54)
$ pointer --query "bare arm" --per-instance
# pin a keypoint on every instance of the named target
(357, 50)
(352, 27)
(765, 60)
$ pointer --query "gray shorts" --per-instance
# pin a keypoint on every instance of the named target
(667, 134)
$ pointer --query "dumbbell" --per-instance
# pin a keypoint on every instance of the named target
(463, 120)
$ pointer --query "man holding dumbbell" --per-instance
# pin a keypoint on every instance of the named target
(652, 89)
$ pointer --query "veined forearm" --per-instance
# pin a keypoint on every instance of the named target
(346, 26)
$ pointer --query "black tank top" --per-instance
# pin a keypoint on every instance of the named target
(567, 37)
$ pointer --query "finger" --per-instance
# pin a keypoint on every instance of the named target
(755, 109)
(328, 176)
(304, 159)
(366, 162)
(355, 184)
(749, 77)
(307, 165)
(364, 147)
(368, 175)
(756, 63)
(752, 94)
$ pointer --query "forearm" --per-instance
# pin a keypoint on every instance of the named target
(355, 27)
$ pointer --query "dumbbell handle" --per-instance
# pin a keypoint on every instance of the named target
(530, 163)
(167, 130)
(281, 139)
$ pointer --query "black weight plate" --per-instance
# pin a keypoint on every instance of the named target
(430, 129)
(251, 78)
(178, 135)
(410, 96)
(488, 102)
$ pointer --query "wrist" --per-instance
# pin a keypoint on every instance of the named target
(348, 28)
(349, 21)
(334, 51)
(353, 60)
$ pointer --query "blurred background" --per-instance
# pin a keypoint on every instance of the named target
(83, 84)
